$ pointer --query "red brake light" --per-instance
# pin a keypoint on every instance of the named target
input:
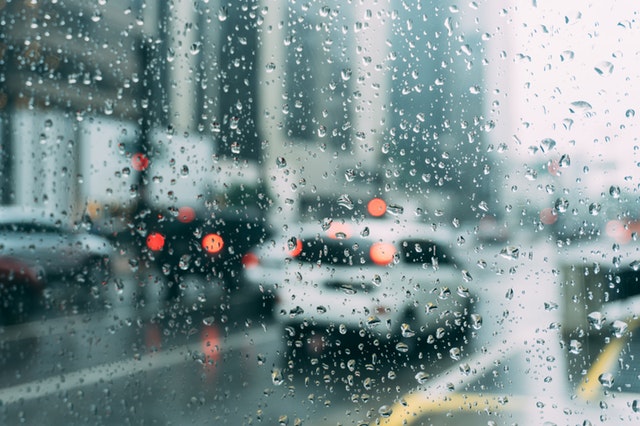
(294, 250)
(377, 207)
(155, 241)
(212, 243)
(139, 161)
(250, 260)
(186, 214)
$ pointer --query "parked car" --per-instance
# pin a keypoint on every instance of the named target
(21, 287)
(381, 280)
(77, 260)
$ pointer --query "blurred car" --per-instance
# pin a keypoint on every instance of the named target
(44, 241)
(21, 287)
(186, 244)
(380, 280)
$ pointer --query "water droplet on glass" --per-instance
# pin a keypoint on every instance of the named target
(270, 67)
(575, 347)
(322, 131)
(223, 13)
(281, 162)
(321, 309)
(376, 280)
(614, 191)
(342, 329)
(567, 55)
(619, 328)
(594, 209)
(606, 379)
(476, 321)
(509, 294)
(350, 175)
(455, 353)
(580, 106)
(463, 292)
(561, 205)
(510, 252)
(422, 377)
(635, 406)
(565, 161)
(406, 330)
(604, 68)
(235, 148)
(385, 411)
(346, 74)
(466, 276)
(365, 232)
(345, 202)
(326, 223)
(402, 347)
(386, 147)
(395, 209)
(635, 265)
(629, 113)
(184, 171)
(195, 48)
(447, 25)
(373, 321)
(596, 320)
(547, 144)
(276, 377)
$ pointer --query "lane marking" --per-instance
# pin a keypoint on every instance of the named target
(435, 397)
(119, 369)
(62, 325)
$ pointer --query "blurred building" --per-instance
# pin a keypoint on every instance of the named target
(89, 88)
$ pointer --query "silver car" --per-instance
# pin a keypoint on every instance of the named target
(345, 281)
(77, 259)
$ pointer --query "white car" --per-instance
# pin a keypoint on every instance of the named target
(383, 279)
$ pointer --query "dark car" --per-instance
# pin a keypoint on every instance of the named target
(184, 242)
(21, 287)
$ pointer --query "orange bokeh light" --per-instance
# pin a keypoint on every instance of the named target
(155, 241)
(212, 243)
(139, 161)
(382, 253)
(377, 207)
(339, 230)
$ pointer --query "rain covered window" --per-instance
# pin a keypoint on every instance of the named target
(305, 212)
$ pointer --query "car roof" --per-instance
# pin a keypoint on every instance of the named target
(383, 229)
(22, 214)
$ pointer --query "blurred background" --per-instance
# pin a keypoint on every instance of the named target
(161, 162)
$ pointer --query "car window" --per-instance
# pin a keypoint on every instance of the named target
(335, 252)
(317, 212)
(424, 251)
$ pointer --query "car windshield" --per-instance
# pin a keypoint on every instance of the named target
(319, 212)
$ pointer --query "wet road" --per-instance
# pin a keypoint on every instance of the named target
(135, 363)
